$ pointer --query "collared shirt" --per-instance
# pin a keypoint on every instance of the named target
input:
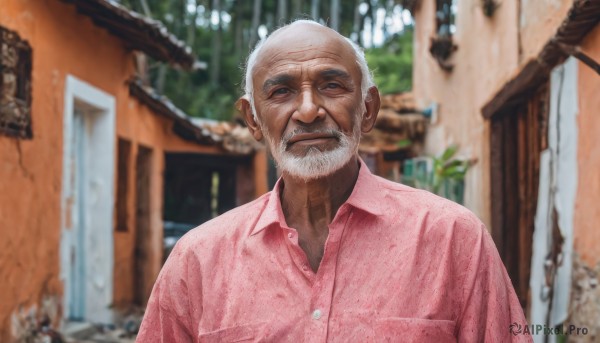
(400, 265)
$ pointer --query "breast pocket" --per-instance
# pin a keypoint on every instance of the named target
(241, 333)
(395, 329)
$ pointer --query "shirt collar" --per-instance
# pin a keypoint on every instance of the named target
(365, 196)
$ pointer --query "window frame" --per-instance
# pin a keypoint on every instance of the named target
(15, 109)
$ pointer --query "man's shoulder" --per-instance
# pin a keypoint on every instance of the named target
(438, 223)
(435, 209)
(231, 225)
(419, 198)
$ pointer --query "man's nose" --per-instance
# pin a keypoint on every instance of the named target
(309, 108)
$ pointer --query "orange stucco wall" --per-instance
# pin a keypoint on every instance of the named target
(63, 43)
(67, 43)
(142, 127)
(587, 216)
(538, 21)
(490, 52)
(483, 62)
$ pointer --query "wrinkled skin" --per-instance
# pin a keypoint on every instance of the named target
(306, 81)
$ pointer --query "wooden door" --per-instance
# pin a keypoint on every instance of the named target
(518, 136)
(143, 249)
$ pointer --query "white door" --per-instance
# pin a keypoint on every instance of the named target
(79, 215)
(88, 201)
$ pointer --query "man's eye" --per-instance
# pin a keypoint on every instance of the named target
(332, 85)
(281, 91)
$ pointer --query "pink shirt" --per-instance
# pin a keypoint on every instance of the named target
(400, 265)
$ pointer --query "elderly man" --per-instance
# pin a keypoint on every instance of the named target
(333, 253)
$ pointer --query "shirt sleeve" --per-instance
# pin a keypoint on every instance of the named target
(167, 316)
(490, 305)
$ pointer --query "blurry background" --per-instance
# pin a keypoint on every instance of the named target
(221, 33)
(119, 133)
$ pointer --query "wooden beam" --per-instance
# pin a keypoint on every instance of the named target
(583, 16)
(496, 171)
(576, 52)
(515, 90)
(138, 32)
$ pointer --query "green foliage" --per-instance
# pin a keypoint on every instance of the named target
(392, 63)
(404, 143)
(192, 91)
(199, 94)
(446, 177)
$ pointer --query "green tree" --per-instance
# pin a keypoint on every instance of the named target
(222, 32)
(392, 63)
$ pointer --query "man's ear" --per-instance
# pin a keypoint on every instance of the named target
(372, 104)
(243, 105)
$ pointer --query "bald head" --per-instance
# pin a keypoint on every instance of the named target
(299, 37)
(310, 95)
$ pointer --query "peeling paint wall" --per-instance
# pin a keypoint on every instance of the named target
(585, 301)
(142, 127)
(87, 201)
(490, 52)
(26, 323)
(587, 216)
(538, 21)
(585, 292)
(65, 42)
(487, 56)
(557, 192)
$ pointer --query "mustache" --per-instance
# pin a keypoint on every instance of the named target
(331, 132)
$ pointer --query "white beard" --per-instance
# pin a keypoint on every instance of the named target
(315, 163)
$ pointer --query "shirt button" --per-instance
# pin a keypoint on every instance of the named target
(316, 314)
(305, 268)
(290, 235)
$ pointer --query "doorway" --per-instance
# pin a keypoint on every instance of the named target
(518, 137)
(87, 202)
(199, 187)
(143, 250)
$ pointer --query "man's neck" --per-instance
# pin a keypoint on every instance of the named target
(313, 204)
(309, 207)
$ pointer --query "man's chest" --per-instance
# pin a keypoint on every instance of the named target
(362, 289)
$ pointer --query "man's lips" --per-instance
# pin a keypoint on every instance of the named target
(301, 137)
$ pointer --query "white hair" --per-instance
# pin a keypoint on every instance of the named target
(366, 75)
(314, 163)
